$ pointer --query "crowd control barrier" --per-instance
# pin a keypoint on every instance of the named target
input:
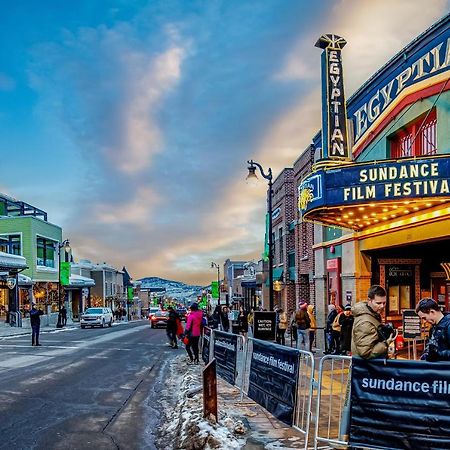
(333, 397)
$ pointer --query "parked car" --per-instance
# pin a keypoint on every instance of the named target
(159, 319)
(182, 312)
(96, 317)
(152, 310)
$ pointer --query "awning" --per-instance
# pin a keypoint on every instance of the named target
(8, 261)
(277, 275)
(24, 280)
(248, 284)
(77, 281)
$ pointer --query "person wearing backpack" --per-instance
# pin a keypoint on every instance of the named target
(303, 323)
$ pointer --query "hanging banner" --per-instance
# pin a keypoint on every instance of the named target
(334, 116)
(214, 289)
(273, 379)
(264, 325)
(225, 350)
(64, 273)
(408, 400)
(205, 344)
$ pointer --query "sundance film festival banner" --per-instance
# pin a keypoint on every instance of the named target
(205, 344)
(225, 348)
(273, 379)
(400, 404)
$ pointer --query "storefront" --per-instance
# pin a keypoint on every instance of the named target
(384, 193)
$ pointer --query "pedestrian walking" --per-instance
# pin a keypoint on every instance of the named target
(313, 326)
(330, 344)
(64, 316)
(193, 332)
(346, 320)
(367, 339)
(243, 321)
(303, 324)
(224, 319)
(172, 327)
(293, 325)
(438, 347)
(282, 325)
(35, 321)
(250, 319)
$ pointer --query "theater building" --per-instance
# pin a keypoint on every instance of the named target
(379, 193)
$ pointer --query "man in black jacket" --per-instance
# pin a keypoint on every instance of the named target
(35, 321)
(438, 348)
(172, 325)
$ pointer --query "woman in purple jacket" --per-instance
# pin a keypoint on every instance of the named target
(193, 332)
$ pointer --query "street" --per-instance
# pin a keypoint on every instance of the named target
(92, 388)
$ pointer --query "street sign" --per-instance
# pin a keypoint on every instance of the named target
(411, 324)
(264, 323)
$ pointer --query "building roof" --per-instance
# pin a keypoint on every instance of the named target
(8, 261)
(79, 281)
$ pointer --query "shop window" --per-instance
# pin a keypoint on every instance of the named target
(10, 244)
(418, 138)
(45, 252)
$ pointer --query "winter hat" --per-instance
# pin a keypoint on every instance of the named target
(348, 307)
(194, 307)
(331, 307)
(303, 305)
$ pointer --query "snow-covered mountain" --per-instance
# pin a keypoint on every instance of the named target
(174, 289)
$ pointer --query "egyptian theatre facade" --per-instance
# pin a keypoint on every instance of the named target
(379, 189)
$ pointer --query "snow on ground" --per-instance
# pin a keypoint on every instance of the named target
(183, 426)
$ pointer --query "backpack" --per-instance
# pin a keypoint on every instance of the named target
(302, 319)
(336, 326)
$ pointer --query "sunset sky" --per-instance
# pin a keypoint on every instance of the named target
(130, 122)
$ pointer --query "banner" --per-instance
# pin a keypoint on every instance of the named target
(205, 344)
(408, 400)
(273, 379)
(214, 289)
(264, 325)
(64, 273)
(225, 349)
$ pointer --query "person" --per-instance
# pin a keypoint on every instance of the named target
(368, 340)
(303, 324)
(64, 316)
(215, 322)
(250, 320)
(331, 344)
(336, 331)
(243, 321)
(346, 320)
(438, 347)
(35, 321)
(293, 325)
(312, 330)
(172, 327)
(193, 332)
(283, 323)
(224, 319)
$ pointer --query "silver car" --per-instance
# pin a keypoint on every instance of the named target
(99, 317)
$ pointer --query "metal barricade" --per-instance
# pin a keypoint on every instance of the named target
(305, 391)
(240, 355)
(333, 399)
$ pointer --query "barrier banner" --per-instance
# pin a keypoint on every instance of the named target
(399, 404)
(273, 379)
(225, 349)
(205, 344)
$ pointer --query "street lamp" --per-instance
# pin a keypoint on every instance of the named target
(251, 177)
(66, 246)
(213, 264)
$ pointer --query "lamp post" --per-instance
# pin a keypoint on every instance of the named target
(252, 165)
(213, 264)
(66, 246)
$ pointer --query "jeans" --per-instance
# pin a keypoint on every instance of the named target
(280, 336)
(35, 334)
(303, 339)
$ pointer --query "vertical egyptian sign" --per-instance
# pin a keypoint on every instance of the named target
(334, 116)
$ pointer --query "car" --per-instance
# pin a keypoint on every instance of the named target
(160, 318)
(152, 311)
(182, 312)
(96, 317)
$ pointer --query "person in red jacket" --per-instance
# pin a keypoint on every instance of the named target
(193, 332)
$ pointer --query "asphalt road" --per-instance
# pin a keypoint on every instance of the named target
(82, 389)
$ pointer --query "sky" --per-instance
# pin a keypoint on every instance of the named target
(130, 121)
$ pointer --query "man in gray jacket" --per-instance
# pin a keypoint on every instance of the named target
(367, 341)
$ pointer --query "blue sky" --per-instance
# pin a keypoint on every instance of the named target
(130, 122)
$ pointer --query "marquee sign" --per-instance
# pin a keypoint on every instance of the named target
(419, 68)
(334, 125)
(374, 183)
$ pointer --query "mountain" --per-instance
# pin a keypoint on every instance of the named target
(174, 289)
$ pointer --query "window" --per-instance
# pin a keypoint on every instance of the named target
(280, 238)
(418, 138)
(45, 252)
(10, 244)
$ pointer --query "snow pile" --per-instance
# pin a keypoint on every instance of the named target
(185, 426)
